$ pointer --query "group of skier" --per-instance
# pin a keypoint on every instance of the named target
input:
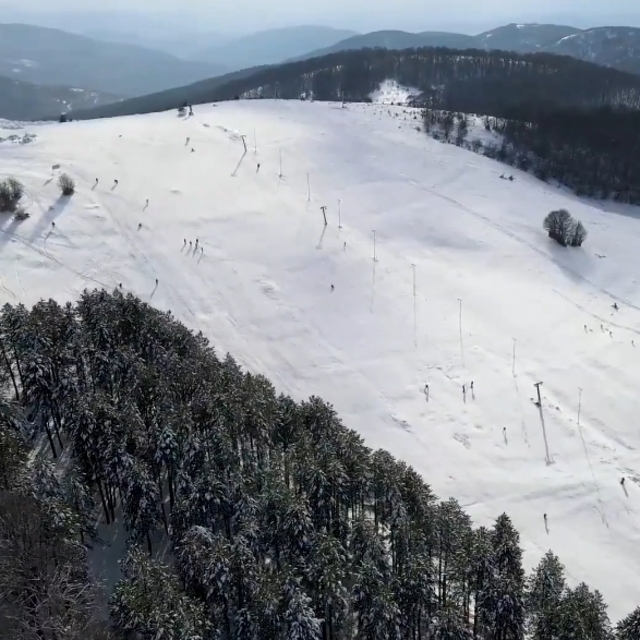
(464, 387)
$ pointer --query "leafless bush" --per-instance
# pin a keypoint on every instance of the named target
(11, 191)
(562, 228)
(66, 184)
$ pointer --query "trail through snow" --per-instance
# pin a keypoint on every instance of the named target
(259, 286)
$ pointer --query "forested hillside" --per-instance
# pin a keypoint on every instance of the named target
(467, 80)
(282, 523)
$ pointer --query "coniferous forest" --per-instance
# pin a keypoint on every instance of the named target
(281, 523)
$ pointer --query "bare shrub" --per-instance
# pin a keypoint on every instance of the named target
(67, 185)
(559, 225)
(578, 236)
(562, 228)
(11, 191)
(21, 214)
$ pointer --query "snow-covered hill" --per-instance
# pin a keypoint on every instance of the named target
(488, 284)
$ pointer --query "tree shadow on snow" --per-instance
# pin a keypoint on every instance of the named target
(50, 216)
(7, 230)
(575, 262)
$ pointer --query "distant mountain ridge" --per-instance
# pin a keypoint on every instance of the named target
(27, 101)
(271, 47)
(442, 75)
(52, 57)
(617, 47)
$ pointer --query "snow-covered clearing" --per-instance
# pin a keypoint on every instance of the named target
(390, 92)
(486, 276)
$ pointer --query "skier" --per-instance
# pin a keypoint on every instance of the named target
(258, 168)
(184, 242)
(147, 203)
(53, 224)
(197, 241)
(464, 392)
(139, 226)
(187, 142)
(345, 246)
(426, 392)
(193, 150)
(120, 285)
(190, 243)
(545, 519)
(472, 386)
(615, 306)
(97, 180)
(622, 482)
(156, 282)
(332, 287)
(116, 182)
(585, 328)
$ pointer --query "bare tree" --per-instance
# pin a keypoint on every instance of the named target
(45, 590)
(579, 235)
(67, 184)
(559, 225)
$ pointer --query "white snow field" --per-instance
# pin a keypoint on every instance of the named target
(486, 275)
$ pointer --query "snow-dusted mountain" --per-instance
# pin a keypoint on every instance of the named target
(524, 38)
(617, 47)
(611, 46)
(496, 302)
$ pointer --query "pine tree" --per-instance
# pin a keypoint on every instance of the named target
(584, 615)
(545, 591)
(299, 621)
(629, 628)
(148, 601)
(507, 582)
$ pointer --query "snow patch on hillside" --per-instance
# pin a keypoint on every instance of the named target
(390, 92)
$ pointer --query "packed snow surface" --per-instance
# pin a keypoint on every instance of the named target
(488, 284)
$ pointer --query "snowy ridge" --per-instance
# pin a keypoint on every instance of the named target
(487, 280)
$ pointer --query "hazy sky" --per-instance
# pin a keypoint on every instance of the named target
(365, 15)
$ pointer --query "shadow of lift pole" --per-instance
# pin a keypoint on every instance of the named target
(548, 459)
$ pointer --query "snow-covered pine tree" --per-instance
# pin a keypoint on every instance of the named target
(629, 627)
(545, 591)
(481, 579)
(299, 620)
(326, 572)
(583, 614)
(378, 615)
(148, 601)
(140, 505)
(507, 582)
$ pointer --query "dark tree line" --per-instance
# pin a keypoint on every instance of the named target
(563, 119)
(282, 523)
(474, 81)
(593, 152)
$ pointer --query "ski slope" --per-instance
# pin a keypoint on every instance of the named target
(487, 279)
